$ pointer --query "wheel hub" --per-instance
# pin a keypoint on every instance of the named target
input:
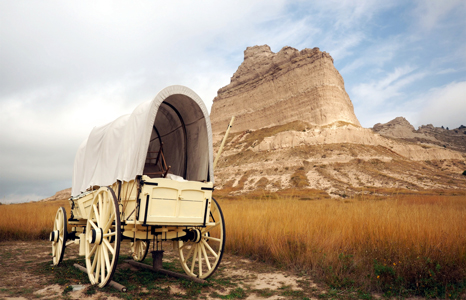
(54, 236)
(96, 236)
(193, 235)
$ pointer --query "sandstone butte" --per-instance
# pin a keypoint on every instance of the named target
(271, 89)
(295, 127)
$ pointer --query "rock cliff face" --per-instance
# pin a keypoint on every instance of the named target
(295, 127)
(271, 89)
(400, 128)
(61, 195)
(340, 160)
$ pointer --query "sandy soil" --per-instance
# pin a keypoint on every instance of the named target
(22, 276)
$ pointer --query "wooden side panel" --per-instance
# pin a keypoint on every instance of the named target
(165, 201)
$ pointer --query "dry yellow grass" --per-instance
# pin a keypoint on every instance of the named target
(408, 243)
(417, 242)
(28, 221)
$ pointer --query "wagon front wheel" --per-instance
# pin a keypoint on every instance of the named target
(103, 234)
(58, 236)
(202, 249)
(139, 249)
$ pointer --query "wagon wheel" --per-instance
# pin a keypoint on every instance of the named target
(202, 248)
(139, 250)
(103, 235)
(58, 236)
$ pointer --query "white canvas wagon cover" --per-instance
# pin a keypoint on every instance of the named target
(177, 117)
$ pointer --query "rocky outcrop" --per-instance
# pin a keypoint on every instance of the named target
(400, 128)
(61, 195)
(271, 89)
(295, 128)
(354, 135)
(339, 159)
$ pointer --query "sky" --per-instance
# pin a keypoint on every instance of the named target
(67, 66)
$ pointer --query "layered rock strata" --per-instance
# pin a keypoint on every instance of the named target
(271, 89)
(295, 127)
(340, 159)
(400, 128)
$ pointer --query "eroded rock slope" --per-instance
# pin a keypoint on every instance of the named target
(295, 127)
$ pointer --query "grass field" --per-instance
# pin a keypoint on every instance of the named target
(399, 245)
(28, 221)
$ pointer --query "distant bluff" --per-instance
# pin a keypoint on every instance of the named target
(270, 89)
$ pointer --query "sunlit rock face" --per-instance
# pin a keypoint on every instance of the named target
(295, 128)
(271, 89)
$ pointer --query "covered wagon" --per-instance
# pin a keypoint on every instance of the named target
(146, 177)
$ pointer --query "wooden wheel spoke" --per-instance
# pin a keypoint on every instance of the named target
(194, 260)
(96, 213)
(102, 264)
(207, 229)
(206, 257)
(92, 251)
(200, 260)
(105, 205)
(113, 233)
(109, 223)
(60, 222)
(97, 264)
(185, 244)
(209, 248)
(189, 254)
(99, 197)
(107, 260)
(213, 239)
(93, 224)
(109, 247)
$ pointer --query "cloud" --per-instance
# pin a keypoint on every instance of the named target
(445, 106)
(15, 198)
(379, 91)
(66, 67)
(430, 14)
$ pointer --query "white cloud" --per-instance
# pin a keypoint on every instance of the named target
(445, 106)
(20, 198)
(379, 91)
(447, 71)
(431, 13)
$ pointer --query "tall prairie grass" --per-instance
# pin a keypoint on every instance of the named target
(401, 245)
(405, 244)
(28, 221)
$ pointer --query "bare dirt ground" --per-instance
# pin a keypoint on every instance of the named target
(27, 273)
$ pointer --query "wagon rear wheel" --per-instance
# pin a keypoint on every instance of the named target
(202, 251)
(103, 235)
(139, 249)
(58, 236)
